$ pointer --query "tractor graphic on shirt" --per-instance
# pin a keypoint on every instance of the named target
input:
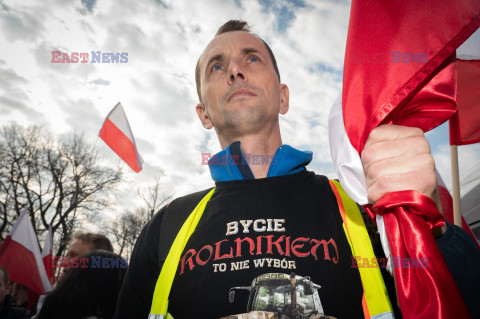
(282, 296)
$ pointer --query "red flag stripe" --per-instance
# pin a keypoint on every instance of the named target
(20, 263)
(383, 87)
(414, 93)
(465, 123)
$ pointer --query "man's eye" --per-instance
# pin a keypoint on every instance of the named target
(216, 67)
(253, 59)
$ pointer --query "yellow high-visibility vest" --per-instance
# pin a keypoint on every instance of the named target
(375, 301)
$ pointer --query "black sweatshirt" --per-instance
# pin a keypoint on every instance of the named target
(253, 227)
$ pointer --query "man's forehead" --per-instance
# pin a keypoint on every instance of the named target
(77, 244)
(237, 40)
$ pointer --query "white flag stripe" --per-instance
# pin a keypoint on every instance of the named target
(23, 233)
(349, 168)
(346, 161)
(440, 181)
(119, 118)
(470, 49)
(47, 246)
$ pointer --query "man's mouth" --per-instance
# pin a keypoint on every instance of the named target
(241, 92)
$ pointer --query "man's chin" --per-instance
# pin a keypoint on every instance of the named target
(242, 103)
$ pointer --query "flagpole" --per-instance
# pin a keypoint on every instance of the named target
(457, 209)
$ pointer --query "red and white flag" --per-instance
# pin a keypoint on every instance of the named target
(406, 77)
(465, 124)
(20, 255)
(117, 134)
(47, 256)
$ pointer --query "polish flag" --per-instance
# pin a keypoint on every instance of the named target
(20, 255)
(117, 134)
(47, 256)
(465, 124)
(410, 91)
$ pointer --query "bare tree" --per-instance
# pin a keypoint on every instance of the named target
(56, 179)
(126, 227)
(152, 196)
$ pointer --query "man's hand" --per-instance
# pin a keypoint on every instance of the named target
(397, 158)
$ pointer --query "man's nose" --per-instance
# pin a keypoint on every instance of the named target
(236, 73)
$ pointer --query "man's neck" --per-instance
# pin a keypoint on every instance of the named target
(258, 145)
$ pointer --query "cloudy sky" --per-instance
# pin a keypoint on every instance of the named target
(156, 86)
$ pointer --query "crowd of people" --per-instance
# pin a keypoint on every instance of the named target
(89, 290)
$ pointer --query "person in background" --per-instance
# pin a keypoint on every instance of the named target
(7, 311)
(87, 292)
(81, 244)
(19, 295)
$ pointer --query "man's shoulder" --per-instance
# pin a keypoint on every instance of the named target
(177, 211)
(173, 217)
(188, 200)
(320, 180)
(181, 204)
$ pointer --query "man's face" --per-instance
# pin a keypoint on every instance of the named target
(78, 248)
(240, 90)
(4, 289)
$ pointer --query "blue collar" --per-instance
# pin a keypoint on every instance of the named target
(231, 164)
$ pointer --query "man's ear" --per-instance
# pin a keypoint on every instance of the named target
(284, 99)
(203, 116)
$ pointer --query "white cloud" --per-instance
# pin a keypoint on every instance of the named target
(156, 87)
(468, 158)
(163, 40)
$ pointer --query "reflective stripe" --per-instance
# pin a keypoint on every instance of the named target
(375, 300)
(385, 315)
(168, 316)
(169, 269)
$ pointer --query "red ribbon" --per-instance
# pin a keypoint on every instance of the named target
(429, 292)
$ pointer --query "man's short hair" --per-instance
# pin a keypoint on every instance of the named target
(5, 274)
(96, 241)
(234, 25)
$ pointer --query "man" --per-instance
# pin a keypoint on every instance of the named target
(19, 295)
(7, 311)
(269, 222)
(80, 245)
(83, 243)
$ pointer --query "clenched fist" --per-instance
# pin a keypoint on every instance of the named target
(397, 158)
